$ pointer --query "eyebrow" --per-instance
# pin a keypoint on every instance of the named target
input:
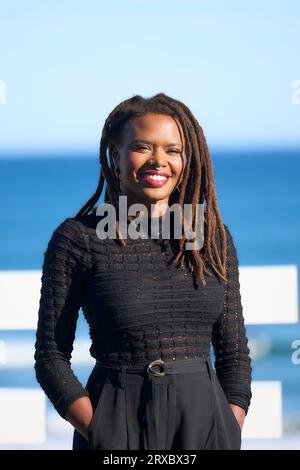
(143, 141)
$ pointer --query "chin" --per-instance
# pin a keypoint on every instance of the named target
(156, 194)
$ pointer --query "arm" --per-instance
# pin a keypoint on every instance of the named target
(65, 261)
(230, 343)
(80, 414)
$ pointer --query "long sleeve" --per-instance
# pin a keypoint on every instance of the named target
(229, 340)
(65, 262)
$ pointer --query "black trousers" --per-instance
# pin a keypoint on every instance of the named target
(185, 409)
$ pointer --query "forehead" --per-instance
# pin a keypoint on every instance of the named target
(157, 128)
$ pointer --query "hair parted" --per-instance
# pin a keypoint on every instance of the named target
(197, 184)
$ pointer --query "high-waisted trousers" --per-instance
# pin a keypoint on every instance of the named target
(173, 405)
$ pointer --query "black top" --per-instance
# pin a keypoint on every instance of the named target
(138, 308)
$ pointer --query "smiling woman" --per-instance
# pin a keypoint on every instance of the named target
(151, 321)
(150, 155)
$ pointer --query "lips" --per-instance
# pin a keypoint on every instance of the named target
(153, 172)
(155, 178)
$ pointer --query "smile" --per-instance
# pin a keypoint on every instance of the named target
(154, 180)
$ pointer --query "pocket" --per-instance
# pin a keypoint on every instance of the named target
(91, 424)
(97, 411)
(230, 412)
(228, 431)
(233, 416)
(108, 427)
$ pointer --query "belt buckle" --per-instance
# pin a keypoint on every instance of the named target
(153, 372)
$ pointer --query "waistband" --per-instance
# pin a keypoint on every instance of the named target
(159, 367)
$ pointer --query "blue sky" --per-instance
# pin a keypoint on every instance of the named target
(66, 64)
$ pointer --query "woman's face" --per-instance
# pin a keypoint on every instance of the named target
(150, 144)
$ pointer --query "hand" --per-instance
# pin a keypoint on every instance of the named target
(80, 415)
(239, 414)
(84, 429)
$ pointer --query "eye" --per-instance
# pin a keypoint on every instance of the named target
(140, 147)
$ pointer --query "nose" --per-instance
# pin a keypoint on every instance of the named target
(158, 158)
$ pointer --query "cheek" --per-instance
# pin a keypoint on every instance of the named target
(133, 163)
(177, 167)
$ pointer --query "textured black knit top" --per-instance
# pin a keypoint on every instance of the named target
(138, 308)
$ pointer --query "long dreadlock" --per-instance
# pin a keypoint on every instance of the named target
(197, 184)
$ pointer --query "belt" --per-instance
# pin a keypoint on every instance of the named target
(159, 413)
(158, 367)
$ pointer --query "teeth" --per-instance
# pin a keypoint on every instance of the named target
(156, 177)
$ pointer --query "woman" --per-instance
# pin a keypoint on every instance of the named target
(154, 307)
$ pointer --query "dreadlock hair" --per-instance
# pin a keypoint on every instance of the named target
(197, 183)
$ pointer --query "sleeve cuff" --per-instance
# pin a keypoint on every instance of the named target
(65, 401)
(239, 402)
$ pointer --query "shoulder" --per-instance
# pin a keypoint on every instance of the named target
(69, 230)
(231, 252)
(71, 235)
(232, 262)
(77, 226)
(229, 237)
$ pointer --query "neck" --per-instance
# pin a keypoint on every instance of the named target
(156, 209)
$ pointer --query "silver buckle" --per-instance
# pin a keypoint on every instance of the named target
(153, 372)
